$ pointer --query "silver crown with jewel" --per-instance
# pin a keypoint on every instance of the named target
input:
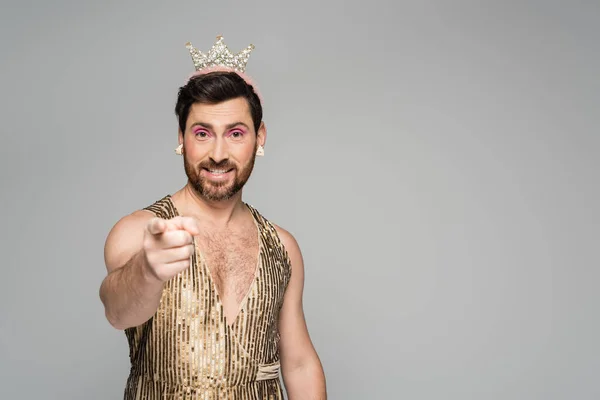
(220, 56)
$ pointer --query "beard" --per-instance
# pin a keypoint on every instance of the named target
(212, 190)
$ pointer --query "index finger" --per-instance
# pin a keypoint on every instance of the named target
(191, 225)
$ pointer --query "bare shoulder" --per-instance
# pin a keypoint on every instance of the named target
(125, 238)
(289, 242)
(285, 236)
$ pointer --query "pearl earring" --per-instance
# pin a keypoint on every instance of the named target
(179, 149)
(260, 151)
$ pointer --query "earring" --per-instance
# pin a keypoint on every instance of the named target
(179, 149)
(260, 151)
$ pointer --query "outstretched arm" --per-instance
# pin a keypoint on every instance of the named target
(302, 371)
(141, 253)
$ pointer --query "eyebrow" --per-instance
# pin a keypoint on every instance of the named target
(210, 127)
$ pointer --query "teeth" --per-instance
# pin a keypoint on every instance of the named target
(217, 171)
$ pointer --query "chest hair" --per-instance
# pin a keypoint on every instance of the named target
(232, 258)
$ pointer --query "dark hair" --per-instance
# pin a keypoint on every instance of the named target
(215, 87)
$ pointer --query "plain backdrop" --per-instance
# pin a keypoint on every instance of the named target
(437, 161)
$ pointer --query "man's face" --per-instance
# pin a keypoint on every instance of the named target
(220, 145)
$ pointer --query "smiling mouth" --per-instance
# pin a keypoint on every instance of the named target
(218, 171)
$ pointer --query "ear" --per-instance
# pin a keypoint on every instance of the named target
(179, 136)
(261, 137)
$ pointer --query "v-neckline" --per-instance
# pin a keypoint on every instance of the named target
(204, 264)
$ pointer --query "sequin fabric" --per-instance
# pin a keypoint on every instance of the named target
(189, 351)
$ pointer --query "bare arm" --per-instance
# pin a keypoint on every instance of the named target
(130, 293)
(141, 253)
(301, 368)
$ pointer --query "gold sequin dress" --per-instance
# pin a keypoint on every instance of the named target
(188, 350)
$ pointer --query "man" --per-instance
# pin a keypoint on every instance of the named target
(207, 290)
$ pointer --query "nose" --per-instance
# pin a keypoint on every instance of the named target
(219, 152)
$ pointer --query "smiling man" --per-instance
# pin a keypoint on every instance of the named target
(208, 291)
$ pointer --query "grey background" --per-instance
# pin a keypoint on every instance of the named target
(437, 162)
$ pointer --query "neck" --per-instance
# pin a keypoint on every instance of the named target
(218, 212)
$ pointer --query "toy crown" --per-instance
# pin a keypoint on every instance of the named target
(220, 56)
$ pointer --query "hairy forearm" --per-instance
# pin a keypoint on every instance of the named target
(305, 382)
(130, 295)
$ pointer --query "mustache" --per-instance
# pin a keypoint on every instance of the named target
(210, 164)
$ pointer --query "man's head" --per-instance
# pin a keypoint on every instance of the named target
(220, 126)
